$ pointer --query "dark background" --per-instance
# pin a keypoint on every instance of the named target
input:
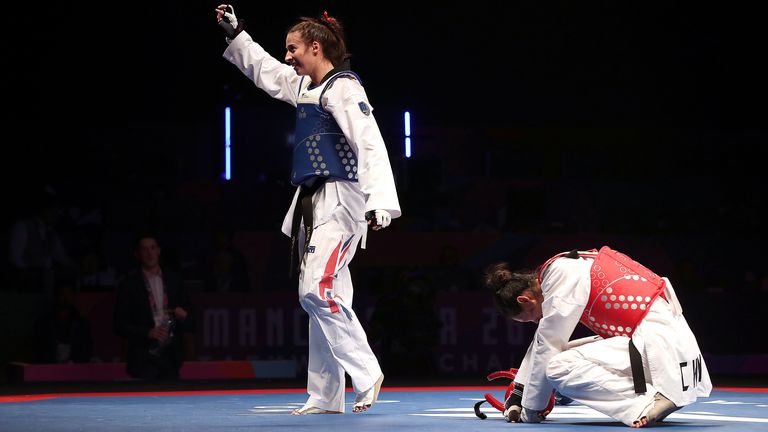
(90, 83)
(643, 123)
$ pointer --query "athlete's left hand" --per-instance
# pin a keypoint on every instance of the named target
(378, 219)
(531, 416)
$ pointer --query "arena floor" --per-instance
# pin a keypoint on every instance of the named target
(443, 409)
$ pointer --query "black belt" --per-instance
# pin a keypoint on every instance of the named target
(303, 209)
(636, 363)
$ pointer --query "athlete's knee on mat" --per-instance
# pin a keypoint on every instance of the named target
(560, 366)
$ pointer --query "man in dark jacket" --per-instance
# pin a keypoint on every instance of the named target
(151, 313)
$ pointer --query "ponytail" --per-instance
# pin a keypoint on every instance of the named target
(329, 32)
(507, 285)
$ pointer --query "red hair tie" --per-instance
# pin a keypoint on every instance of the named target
(327, 18)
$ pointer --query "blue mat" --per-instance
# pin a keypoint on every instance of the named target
(416, 409)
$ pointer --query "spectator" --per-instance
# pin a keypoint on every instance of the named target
(227, 267)
(95, 274)
(151, 313)
(37, 254)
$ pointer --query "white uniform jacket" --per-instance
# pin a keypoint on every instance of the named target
(669, 349)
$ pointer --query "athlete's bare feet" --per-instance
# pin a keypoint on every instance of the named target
(307, 410)
(366, 399)
(662, 407)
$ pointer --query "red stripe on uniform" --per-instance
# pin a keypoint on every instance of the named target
(326, 282)
(333, 305)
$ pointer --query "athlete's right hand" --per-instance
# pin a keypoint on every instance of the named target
(226, 12)
(226, 19)
(513, 405)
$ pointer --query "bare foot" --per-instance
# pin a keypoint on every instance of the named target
(662, 407)
(307, 410)
(364, 400)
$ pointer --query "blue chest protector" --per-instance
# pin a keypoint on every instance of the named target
(321, 149)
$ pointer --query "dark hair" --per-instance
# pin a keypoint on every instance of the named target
(326, 30)
(139, 236)
(507, 285)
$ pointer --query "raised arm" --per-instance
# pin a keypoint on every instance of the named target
(277, 79)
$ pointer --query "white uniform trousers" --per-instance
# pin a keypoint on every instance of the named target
(598, 375)
(337, 341)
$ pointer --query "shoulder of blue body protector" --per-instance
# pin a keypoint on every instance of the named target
(346, 73)
(302, 86)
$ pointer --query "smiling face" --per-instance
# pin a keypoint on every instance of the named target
(303, 56)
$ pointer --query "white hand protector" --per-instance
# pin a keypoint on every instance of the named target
(229, 15)
(383, 218)
(228, 21)
(378, 219)
(512, 414)
(513, 404)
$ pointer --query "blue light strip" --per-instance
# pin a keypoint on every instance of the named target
(227, 144)
(407, 124)
(407, 120)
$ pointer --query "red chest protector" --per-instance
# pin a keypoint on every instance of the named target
(621, 292)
